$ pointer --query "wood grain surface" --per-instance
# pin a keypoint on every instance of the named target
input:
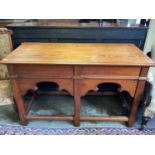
(78, 54)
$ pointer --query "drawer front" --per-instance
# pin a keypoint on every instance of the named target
(111, 71)
(47, 70)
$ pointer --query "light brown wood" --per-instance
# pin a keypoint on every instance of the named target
(37, 117)
(137, 97)
(78, 54)
(111, 71)
(46, 70)
(77, 69)
(18, 98)
(77, 96)
(30, 84)
(87, 85)
(105, 118)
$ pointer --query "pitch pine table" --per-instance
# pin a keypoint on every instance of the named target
(77, 68)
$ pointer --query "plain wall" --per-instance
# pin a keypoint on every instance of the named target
(150, 38)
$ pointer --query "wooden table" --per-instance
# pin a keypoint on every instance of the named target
(77, 68)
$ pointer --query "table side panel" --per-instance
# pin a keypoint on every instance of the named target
(44, 70)
(91, 84)
(64, 76)
(126, 77)
(30, 84)
(29, 75)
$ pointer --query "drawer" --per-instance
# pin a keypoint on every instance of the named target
(110, 71)
(48, 70)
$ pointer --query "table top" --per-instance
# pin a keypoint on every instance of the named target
(78, 54)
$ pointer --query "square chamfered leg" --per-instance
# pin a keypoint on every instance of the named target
(18, 98)
(19, 102)
(76, 104)
(136, 102)
(137, 97)
(77, 95)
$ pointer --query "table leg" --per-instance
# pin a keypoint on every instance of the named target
(19, 102)
(136, 102)
(77, 110)
(137, 97)
(77, 98)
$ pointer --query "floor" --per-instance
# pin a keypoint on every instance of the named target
(90, 105)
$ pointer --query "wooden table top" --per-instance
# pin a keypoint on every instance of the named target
(78, 54)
